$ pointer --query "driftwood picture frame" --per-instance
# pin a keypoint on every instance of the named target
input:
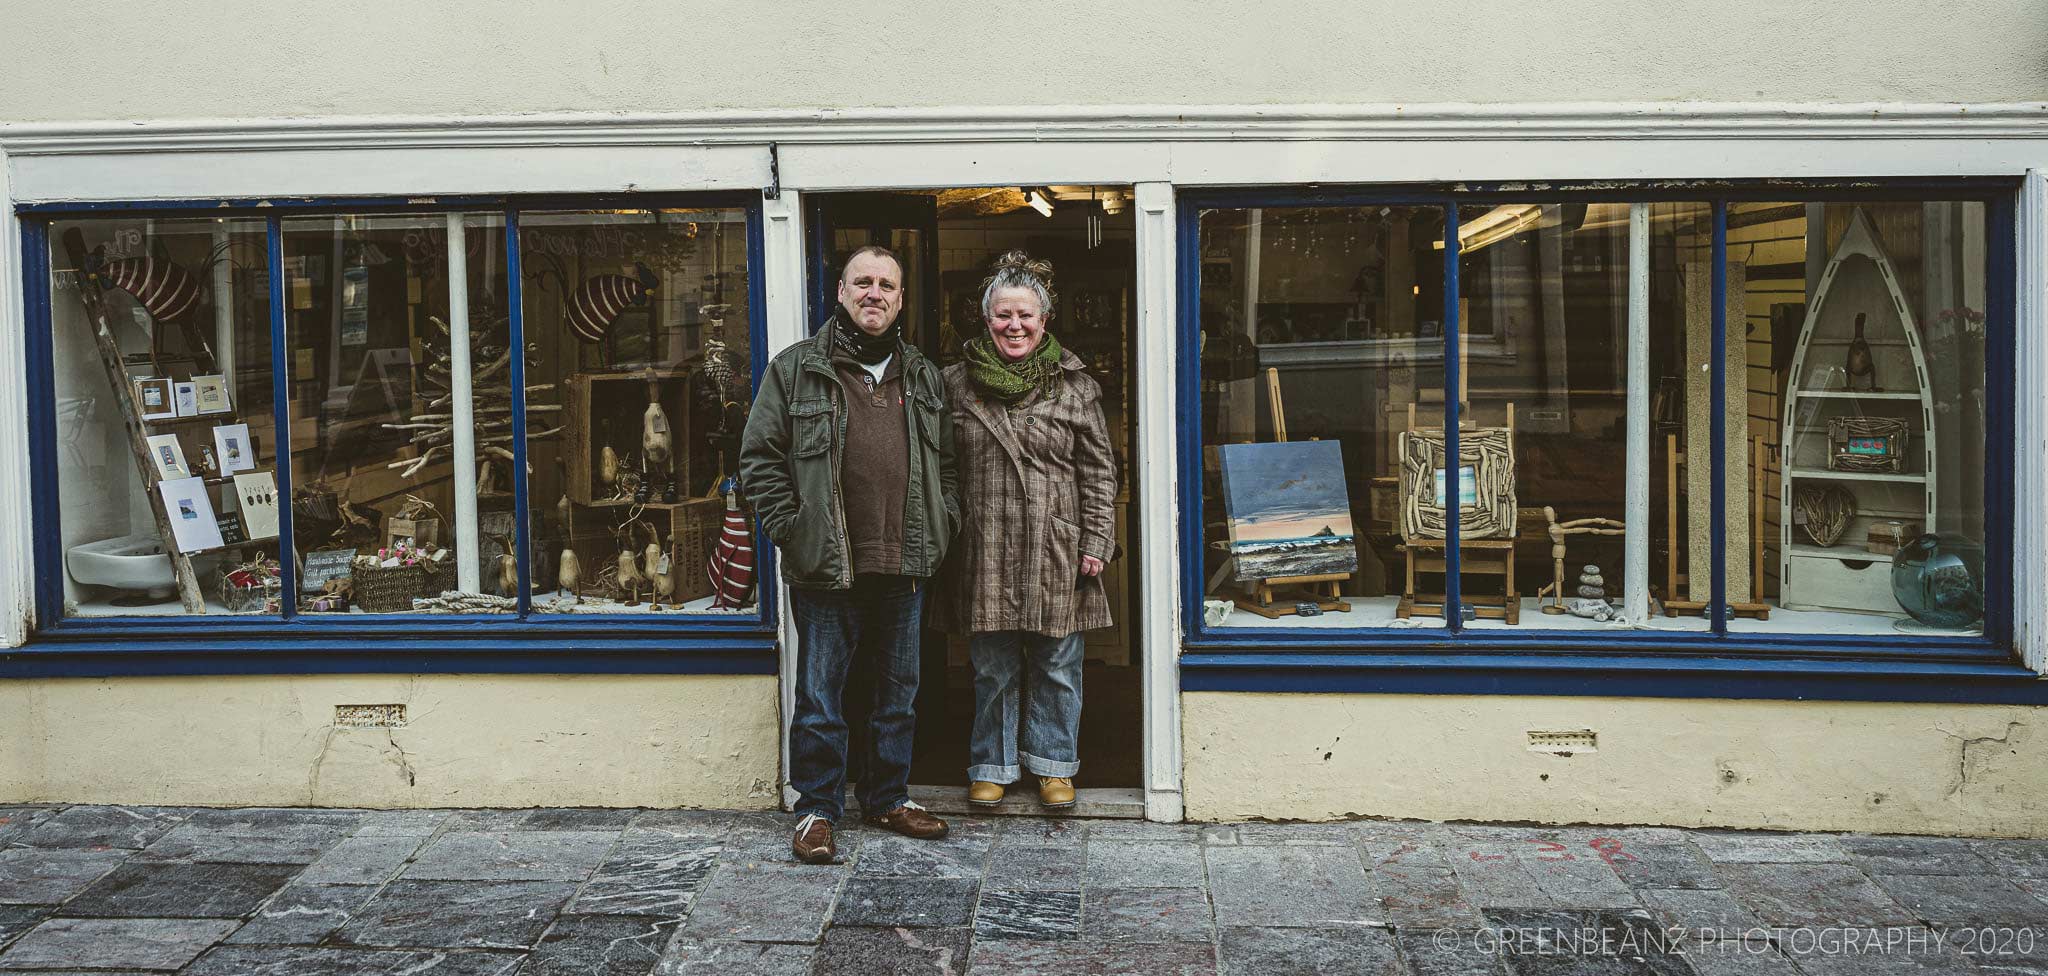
(1486, 459)
(1867, 444)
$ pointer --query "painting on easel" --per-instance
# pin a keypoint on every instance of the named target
(1289, 510)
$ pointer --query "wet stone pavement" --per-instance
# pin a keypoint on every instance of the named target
(704, 893)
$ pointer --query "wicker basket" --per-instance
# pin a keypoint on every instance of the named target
(389, 589)
(440, 575)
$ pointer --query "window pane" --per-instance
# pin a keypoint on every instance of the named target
(637, 321)
(185, 461)
(1322, 343)
(1681, 346)
(1864, 328)
(1545, 292)
(370, 326)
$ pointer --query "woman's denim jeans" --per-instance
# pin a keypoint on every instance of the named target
(875, 623)
(1047, 673)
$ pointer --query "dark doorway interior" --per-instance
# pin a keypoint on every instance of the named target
(947, 238)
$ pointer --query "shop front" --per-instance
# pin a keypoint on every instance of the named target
(1506, 464)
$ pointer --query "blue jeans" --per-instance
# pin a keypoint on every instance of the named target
(1047, 736)
(877, 621)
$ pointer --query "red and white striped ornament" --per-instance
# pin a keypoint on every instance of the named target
(595, 305)
(163, 288)
(732, 559)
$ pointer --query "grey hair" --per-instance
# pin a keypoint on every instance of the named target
(1016, 269)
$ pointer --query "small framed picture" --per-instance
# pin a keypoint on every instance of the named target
(232, 448)
(211, 393)
(169, 457)
(153, 397)
(186, 396)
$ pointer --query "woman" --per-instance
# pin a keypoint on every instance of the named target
(1037, 483)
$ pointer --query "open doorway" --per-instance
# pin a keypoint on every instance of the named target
(947, 240)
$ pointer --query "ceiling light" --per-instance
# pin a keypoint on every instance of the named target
(1040, 201)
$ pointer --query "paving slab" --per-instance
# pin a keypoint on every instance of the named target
(1310, 887)
(126, 828)
(1421, 897)
(896, 856)
(298, 961)
(1309, 834)
(1035, 868)
(182, 890)
(726, 957)
(708, 823)
(363, 860)
(303, 914)
(16, 820)
(1582, 942)
(257, 820)
(1145, 864)
(1738, 958)
(1147, 915)
(1812, 895)
(1018, 957)
(893, 952)
(1704, 914)
(1914, 855)
(31, 876)
(401, 823)
(15, 920)
(1664, 866)
(2015, 858)
(457, 914)
(512, 855)
(1310, 952)
(211, 836)
(1045, 831)
(1125, 830)
(1958, 900)
(906, 902)
(765, 902)
(1450, 952)
(578, 818)
(651, 871)
(114, 943)
(1898, 951)
(601, 945)
(1037, 915)
(1746, 847)
(1494, 876)
(1581, 878)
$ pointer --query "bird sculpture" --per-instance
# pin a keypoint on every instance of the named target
(1859, 362)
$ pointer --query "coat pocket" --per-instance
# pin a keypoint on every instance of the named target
(810, 427)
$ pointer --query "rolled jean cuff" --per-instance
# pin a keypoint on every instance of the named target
(1004, 775)
(1049, 767)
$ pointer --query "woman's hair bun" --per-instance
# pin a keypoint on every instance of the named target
(1018, 260)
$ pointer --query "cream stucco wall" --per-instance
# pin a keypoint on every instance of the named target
(248, 58)
(1880, 767)
(471, 740)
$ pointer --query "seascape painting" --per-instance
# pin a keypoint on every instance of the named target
(1289, 509)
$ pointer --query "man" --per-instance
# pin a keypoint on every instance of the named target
(848, 463)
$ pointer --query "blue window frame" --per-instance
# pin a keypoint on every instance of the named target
(293, 642)
(1713, 661)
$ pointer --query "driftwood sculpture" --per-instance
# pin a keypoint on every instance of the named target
(434, 430)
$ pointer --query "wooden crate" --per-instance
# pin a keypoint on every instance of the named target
(693, 530)
(615, 402)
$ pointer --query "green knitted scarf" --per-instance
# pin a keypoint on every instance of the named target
(1012, 381)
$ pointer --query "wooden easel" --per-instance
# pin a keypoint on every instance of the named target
(1756, 607)
(1283, 596)
(1476, 557)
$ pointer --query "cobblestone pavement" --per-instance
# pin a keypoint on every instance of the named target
(618, 892)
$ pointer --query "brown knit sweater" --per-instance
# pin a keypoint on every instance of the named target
(874, 474)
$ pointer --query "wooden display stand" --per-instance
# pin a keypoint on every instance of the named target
(1476, 557)
(1756, 607)
(614, 402)
(1283, 596)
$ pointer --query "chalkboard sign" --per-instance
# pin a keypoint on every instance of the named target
(324, 565)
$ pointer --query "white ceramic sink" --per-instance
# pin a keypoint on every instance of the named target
(133, 562)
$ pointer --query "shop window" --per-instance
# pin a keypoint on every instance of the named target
(471, 429)
(1852, 465)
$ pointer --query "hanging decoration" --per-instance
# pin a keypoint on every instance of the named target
(162, 287)
(596, 304)
(732, 559)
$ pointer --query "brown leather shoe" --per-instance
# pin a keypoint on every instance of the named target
(813, 843)
(910, 820)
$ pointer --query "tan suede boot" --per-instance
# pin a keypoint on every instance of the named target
(1056, 791)
(984, 793)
